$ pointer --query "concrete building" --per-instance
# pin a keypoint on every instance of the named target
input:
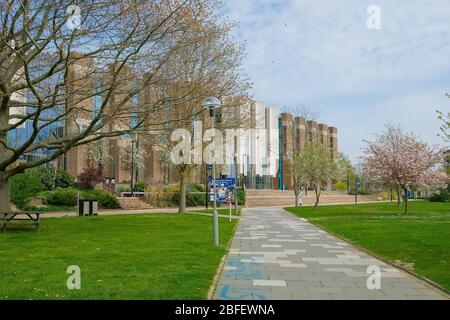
(264, 152)
(295, 133)
(258, 148)
(264, 140)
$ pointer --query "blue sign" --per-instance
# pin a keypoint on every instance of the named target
(224, 188)
(227, 182)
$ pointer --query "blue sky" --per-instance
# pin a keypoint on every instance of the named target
(320, 53)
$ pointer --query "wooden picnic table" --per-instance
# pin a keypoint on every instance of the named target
(29, 216)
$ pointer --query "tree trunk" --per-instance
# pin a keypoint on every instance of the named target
(406, 201)
(5, 205)
(5, 153)
(298, 197)
(183, 190)
(399, 197)
(317, 190)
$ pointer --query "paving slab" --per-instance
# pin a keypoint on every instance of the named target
(276, 255)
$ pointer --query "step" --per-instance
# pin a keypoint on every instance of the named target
(307, 200)
(279, 193)
(133, 203)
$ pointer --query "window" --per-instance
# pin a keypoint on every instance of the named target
(134, 115)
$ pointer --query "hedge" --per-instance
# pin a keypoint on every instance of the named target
(68, 197)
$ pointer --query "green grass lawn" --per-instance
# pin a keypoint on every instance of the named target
(419, 241)
(121, 257)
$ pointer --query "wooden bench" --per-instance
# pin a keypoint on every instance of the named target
(28, 216)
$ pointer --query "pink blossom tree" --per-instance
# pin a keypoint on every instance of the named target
(398, 159)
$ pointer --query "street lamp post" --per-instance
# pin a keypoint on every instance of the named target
(212, 104)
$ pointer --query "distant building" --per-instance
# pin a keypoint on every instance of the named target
(263, 153)
(295, 133)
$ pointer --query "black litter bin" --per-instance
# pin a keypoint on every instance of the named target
(87, 207)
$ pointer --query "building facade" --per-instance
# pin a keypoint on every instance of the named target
(263, 152)
(263, 139)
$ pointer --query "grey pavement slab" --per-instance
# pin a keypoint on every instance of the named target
(276, 255)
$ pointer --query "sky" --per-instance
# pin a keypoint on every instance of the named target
(321, 54)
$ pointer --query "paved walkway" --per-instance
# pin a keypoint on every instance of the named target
(276, 255)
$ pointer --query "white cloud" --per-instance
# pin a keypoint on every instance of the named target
(413, 112)
(308, 51)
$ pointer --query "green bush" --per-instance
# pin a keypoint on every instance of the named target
(64, 179)
(140, 186)
(172, 188)
(442, 196)
(341, 186)
(197, 188)
(241, 196)
(60, 197)
(195, 195)
(24, 187)
(47, 177)
(105, 199)
(123, 189)
(51, 179)
(171, 196)
(68, 197)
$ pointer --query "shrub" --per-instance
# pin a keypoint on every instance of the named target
(442, 196)
(197, 188)
(24, 187)
(89, 178)
(68, 197)
(193, 197)
(241, 196)
(140, 186)
(105, 199)
(341, 186)
(123, 189)
(60, 197)
(59, 179)
(194, 200)
(64, 179)
(171, 188)
(47, 177)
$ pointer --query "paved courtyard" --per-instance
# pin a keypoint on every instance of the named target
(276, 255)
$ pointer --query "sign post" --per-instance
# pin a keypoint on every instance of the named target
(224, 189)
(230, 207)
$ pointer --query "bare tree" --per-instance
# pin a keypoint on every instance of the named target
(302, 111)
(211, 67)
(56, 56)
